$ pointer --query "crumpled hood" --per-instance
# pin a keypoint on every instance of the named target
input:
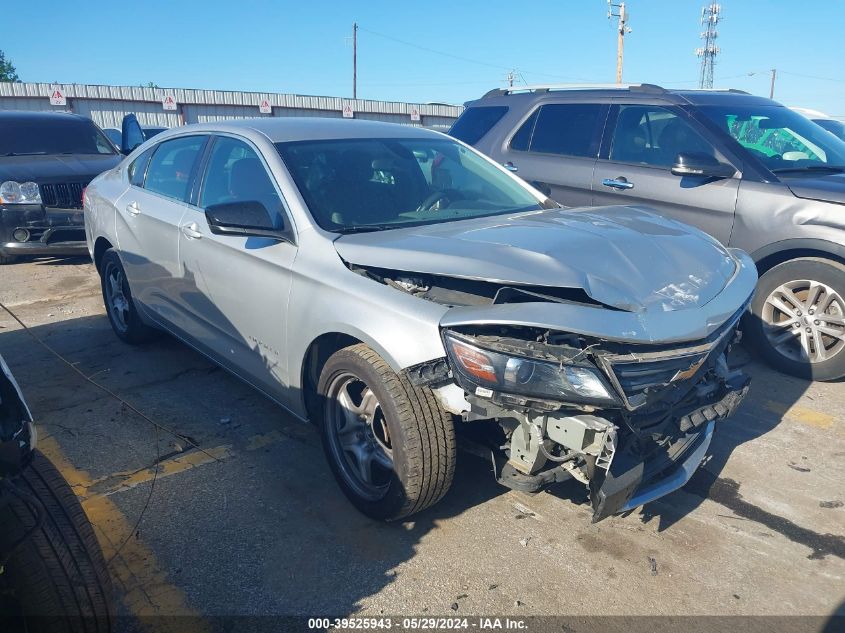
(625, 257)
(827, 188)
(56, 168)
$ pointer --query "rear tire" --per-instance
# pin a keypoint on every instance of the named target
(120, 307)
(57, 580)
(796, 321)
(402, 421)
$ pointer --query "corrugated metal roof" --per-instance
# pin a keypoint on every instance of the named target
(220, 97)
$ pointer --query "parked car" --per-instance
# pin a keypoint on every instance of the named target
(389, 282)
(46, 160)
(834, 126)
(53, 576)
(750, 172)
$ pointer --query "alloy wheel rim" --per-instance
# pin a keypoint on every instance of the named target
(359, 437)
(118, 304)
(804, 321)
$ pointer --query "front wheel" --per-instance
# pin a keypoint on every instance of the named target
(797, 320)
(389, 444)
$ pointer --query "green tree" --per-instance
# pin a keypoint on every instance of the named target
(7, 69)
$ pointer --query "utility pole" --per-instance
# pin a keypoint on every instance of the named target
(772, 87)
(354, 60)
(623, 29)
(710, 16)
(511, 76)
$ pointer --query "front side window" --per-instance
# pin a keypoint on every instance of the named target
(474, 123)
(29, 136)
(235, 173)
(171, 166)
(654, 136)
(374, 184)
(522, 139)
(783, 140)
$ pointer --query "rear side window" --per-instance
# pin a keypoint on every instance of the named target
(170, 169)
(138, 168)
(568, 129)
(474, 123)
(522, 138)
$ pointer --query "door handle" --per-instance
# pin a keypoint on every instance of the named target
(133, 209)
(510, 167)
(618, 183)
(190, 231)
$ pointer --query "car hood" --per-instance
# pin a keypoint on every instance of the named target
(827, 188)
(623, 256)
(56, 168)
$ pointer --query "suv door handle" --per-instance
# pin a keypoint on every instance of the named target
(133, 209)
(190, 231)
(510, 166)
(618, 183)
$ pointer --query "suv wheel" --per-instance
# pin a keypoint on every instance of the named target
(117, 297)
(389, 444)
(7, 259)
(798, 318)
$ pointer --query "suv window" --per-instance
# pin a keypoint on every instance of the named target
(522, 138)
(235, 173)
(169, 171)
(138, 168)
(476, 122)
(651, 135)
(567, 129)
(62, 135)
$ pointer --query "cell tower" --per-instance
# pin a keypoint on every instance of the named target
(710, 16)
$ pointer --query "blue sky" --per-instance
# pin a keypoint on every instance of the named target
(460, 49)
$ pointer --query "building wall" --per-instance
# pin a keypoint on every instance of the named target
(107, 105)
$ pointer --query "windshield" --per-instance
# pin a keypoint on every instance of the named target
(32, 136)
(371, 184)
(783, 140)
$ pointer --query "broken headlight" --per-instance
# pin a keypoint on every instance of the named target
(488, 371)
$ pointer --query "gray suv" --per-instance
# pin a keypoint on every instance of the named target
(748, 171)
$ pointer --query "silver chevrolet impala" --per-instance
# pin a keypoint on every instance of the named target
(399, 289)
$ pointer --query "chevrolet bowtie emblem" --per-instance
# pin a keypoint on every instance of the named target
(690, 371)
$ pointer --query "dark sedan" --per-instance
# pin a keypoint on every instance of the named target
(46, 161)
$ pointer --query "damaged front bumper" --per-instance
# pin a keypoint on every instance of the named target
(38, 230)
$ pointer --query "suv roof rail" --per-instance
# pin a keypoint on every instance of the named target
(499, 92)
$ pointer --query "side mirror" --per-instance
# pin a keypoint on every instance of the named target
(131, 134)
(701, 164)
(248, 218)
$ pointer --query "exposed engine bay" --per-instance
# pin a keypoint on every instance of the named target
(630, 421)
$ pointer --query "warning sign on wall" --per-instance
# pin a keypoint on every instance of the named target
(169, 102)
(348, 112)
(415, 113)
(57, 97)
(264, 107)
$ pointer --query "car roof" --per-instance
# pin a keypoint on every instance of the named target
(281, 129)
(35, 116)
(562, 92)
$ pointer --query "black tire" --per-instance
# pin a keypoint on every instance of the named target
(131, 329)
(7, 259)
(57, 578)
(823, 271)
(422, 436)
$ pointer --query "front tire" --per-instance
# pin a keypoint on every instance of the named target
(389, 444)
(117, 297)
(797, 320)
(56, 581)
(7, 259)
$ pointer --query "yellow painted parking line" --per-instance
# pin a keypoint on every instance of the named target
(138, 575)
(118, 482)
(801, 414)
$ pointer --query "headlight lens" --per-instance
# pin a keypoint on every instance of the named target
(500, 372)
(12, 192)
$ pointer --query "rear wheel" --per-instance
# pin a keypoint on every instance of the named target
(798, 318)
(389, 444)
(56, 580)
(117, 297)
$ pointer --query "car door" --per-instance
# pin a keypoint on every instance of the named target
(234, 287)
(555, 148)
(635, 166)
(149, 218)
